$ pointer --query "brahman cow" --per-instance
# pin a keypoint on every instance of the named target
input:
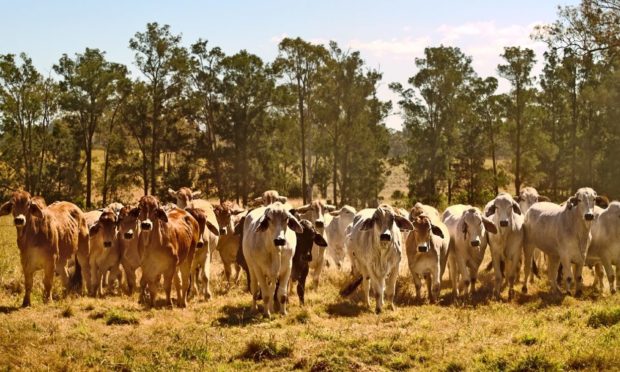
(605, 245)
(427, 252)
(563, 234)
(168, 243)
(507, 245)
(128, 234)
(468, 241)
(335, 233)
(105, 252)
(268, 245)
(228, 215)
(375, 243)
(527, 197)
(183, 196)
(201, 265)
(269, 197)
(47, 237)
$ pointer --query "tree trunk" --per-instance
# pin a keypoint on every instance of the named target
(302, 126)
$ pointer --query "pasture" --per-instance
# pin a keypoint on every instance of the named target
(534, 332)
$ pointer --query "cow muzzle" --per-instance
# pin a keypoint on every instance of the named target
(475, 243)
(319, 224)
(279, 242)
(223, 231)
(503, 223)
(128, 235)
(200, 244)
(385, 237)
(588, 216)
(146, 225)
(423, 248)
(19, 220)
(107, 244)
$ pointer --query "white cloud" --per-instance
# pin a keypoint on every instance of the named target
(396, 47)
(277, 38)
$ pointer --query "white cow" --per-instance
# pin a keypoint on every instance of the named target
(468, 242)
(376, 243)
(335, 232)
(527, 197)
(563, 234)
(605, 245)
(269, 243)
(507, 245)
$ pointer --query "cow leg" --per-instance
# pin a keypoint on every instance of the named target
(578, 277)
(318, 265)
(237, 272)
(366, 290)
(62, 271)
(227, 272)
(553, 266)
(429, 286)
(206, 274)
(301, 285)
(178, 285)
(169, 276)
(464, 273)
(282, 289)
(496, 258)
(379, 288)
(48, 280)
(528, 252)
(130, 275)
(454, 275)
(613, 289)
(28, 278)
(266, 293)
(253, 285)
(185, 272)
(390, 287)
(511, 268)
(610, 275)
(418, 286)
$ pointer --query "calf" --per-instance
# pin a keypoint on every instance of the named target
(228, 216)
(104, 250)
(128, 233)
(303, 256)
(47, 237)
(168, 243)
(268, 247)
(468, 241)
(563, 234)
(375, 243)
(507, 245)
(335, 233)
(201, 265)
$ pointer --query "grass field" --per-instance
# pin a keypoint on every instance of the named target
(533, 332)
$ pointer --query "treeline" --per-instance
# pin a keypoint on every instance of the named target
(232, 126)
(557, 131)
(310, 121)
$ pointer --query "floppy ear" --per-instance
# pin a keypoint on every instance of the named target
(515, 207)
(6, 208)
(263, 222)
(403, 223)
(282, 199)
(489, 225)
(92, 231)
(336, 213)
(330, 207)
(303, 209)
(35, 210)
(542, 198)
(213, 229)
(491, 210)
(602, 201)
(196, 193)
(161, 214)
(437, 231)
(134, 212)
(294, 225)
(319, 240)
(172, 193)
(367, 224)
(572, 202)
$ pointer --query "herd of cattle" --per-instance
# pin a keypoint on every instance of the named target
(278, 245)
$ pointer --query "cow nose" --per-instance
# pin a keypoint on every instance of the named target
(128, 235)
(146, 225)
(385, 237)
(475, 243)
(279, 241)
(319, 224)
(503, 223)
(422, 248)
(589, 216)
(19, 221)
(107, 244)
(223, 231)
(200, 244)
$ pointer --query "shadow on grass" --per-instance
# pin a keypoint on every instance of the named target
(8, 309)
(238, 316)
(345, 309)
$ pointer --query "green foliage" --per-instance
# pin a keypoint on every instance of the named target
(604, 318)
(259, 349)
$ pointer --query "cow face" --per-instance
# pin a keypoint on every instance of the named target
(270, 197)
(527, 197)
(503, 207)
(422, 230)
(474, 225)
(150, 213)
(383, 221)
(225, 214)
(307, 239)
(315, 213)
(584, 201)
(23, 207)
(277, 219)
(106, 226)
(128, 222)
(184, 196)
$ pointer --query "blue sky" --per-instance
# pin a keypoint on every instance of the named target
(389, 34)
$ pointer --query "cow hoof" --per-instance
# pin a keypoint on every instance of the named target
(612, 291)
(524, 290)
(378, 310)
(578, 293)
(26, 303)
(511, 294)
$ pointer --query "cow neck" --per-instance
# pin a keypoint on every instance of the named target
(34, 226)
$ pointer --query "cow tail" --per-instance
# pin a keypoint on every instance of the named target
(351, 287)
(75, 281)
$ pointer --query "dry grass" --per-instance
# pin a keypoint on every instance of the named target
(533, 332)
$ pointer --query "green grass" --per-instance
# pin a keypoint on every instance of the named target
(533, 332)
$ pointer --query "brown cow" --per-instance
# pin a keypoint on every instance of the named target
(128, 233)
(183, 196)
(228, 215)
(105, 252)
(168, 243)
(47, 237)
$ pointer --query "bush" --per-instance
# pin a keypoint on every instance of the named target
(604, 317)
(258, 349)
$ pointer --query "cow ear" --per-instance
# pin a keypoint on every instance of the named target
(294, 225)
(602, 201)
(172, 193)
(134, 212)
(161, 214)
(367, 224)
(282, 199)
(6, 208)
(542, 198)
(92, 231)
(403, 223)
(213, 229)
(196, 193)
(336, 213)
(319, 240)
(491, 210)
(572, 202)
(489, 225)
(303, 209)
(35, 210)
(263, 222)
(330, 207)
(515, 208)
(437, 231)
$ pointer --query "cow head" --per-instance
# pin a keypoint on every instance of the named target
(527, 197)
(307, 239)
(383, 220)
(474, 225)
(23, 207)
(422, 230)
(277, 219)
(150, 213)
(270, 197)
(183, 196)
(225, 213)
(106, 226)
(128, 222)
(315, 213)
(503, 207)
(201, 217)
(584, 201)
